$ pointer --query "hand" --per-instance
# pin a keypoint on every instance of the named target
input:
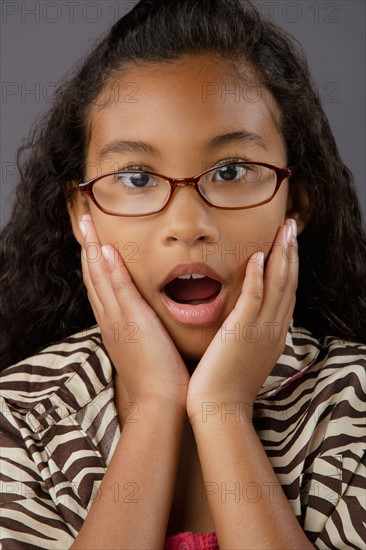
(142, 352)
(246, 348)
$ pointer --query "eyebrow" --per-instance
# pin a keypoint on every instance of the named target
(127, 146)
(241, 137)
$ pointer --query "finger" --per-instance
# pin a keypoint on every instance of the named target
(293, 256)
(97, 276)
(92, 296)
(127, 295)
(278, 283)
(251, 298)
(118, 274)
(290, 256)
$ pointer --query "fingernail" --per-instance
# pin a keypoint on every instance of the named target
(82, 228)
(294, 226)
(84, 218)
(107, 252)
(260, 259)
(289, 233)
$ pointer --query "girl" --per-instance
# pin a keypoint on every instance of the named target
(185, 410)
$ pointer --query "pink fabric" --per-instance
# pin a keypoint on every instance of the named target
(191, 541)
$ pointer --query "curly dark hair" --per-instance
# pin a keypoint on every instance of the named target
(42, 295)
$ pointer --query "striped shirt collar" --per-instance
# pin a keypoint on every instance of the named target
(82, 368)
(300, 353)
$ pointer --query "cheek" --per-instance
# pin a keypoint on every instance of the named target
(126, 238)
(118, 232)
(254, 230)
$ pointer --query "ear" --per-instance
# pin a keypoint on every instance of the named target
(77, 205)
(298, 204)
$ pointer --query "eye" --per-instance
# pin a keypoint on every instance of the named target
(135, 180)
(230, 172)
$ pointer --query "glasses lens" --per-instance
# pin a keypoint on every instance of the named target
(131, 193)
(238, 185)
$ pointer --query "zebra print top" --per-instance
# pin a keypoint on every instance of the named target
(60, 428)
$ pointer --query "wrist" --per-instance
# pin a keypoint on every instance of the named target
(130, 404)
(221, 411)
(154, 405)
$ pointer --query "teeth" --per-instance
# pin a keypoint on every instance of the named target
(193, 275)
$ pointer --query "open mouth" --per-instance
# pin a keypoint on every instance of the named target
(193, 289)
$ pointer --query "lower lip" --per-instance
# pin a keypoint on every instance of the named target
(198, 314)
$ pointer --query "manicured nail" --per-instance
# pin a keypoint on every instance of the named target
(294, 226)
(82, 228)
(107, 252)
(86, 217)
(260, 259)
(289, 233)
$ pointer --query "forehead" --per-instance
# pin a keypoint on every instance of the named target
(166, 100)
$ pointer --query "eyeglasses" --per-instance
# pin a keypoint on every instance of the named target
(233, 186)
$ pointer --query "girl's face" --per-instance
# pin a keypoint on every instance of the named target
(176, 109)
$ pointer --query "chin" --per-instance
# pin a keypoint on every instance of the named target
(191, 348)
(190, 340)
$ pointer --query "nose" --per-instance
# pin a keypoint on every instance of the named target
(188, 219)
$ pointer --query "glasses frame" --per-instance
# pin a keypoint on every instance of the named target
(194, 181)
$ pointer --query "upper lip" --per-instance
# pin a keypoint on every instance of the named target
(188, 268)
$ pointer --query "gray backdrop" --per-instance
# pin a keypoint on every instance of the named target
(42, 40)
